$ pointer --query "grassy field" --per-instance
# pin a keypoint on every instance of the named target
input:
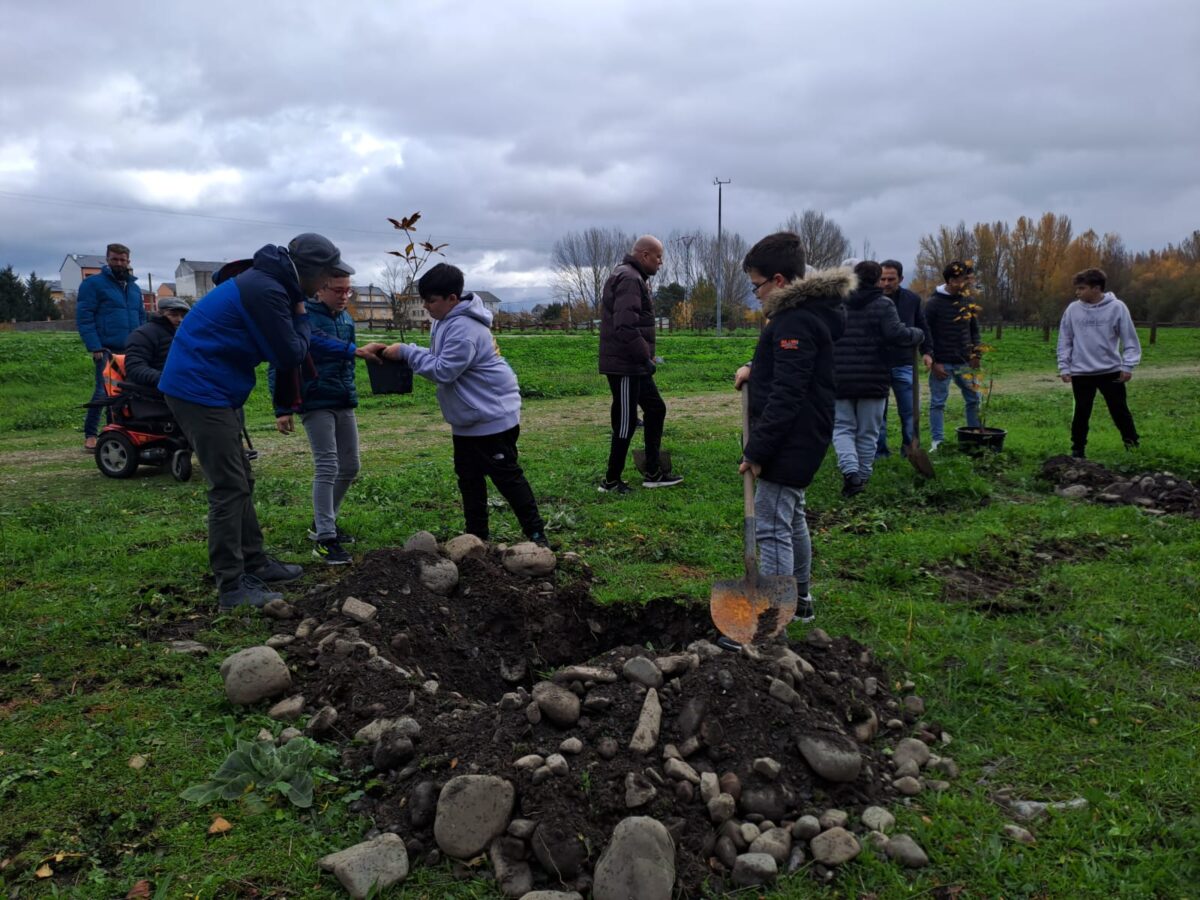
(1080, 677)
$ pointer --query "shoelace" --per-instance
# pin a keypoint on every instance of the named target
(254, 583)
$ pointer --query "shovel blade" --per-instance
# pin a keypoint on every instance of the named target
(752, 613)
(639, 461)
(920, 460)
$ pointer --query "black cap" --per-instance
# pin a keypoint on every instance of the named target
(316, 253)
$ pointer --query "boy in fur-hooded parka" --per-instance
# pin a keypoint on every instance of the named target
(791, 384)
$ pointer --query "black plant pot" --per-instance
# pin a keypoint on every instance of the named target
(390, 377)
(976, 440)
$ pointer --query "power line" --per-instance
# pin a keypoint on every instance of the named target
(91, 204)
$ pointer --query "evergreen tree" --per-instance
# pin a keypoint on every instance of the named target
(41, 302)
(14, 303)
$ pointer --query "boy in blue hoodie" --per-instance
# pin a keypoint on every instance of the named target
(1098, 348)
(478, 394)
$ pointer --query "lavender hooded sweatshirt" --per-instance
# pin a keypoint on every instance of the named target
(476, 389)
(1089, 335)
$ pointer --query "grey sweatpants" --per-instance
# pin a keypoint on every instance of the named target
(856, 427)
(333, 436)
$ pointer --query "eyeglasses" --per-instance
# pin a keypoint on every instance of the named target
(338, 292)
(757, 287)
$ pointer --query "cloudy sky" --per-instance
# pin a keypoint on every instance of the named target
(206, 130)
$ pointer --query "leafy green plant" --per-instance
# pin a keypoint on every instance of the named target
(256, 766)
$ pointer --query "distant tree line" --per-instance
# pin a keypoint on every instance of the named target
(696, 271)
(1023, 271)
(25, 301)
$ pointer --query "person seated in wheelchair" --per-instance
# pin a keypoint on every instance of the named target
(147, 346)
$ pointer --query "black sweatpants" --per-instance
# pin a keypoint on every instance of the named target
(494, 456)
(628, 393)
(235, 542)
(1112, 389)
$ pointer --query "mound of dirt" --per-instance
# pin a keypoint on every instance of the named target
(595, 714)
(1156, 492)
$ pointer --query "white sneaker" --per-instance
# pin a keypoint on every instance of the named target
(934, 445)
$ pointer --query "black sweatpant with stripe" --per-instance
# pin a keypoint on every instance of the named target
(630, 392)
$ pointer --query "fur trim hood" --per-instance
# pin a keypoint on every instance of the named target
(818, 285)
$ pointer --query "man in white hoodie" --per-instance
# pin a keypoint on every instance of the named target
(1098, 349)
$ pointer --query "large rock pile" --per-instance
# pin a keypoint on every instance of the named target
(1157, 493)
(519, 720)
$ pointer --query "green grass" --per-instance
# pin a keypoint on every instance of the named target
(1089, 687)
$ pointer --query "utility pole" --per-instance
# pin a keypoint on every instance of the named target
(720, 251)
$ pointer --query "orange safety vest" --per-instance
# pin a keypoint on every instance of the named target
(114, 373)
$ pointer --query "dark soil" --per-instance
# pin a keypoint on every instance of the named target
(1008, 579)
(500, 633)
(1157, 493)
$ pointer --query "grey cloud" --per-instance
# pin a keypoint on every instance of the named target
(519, 122)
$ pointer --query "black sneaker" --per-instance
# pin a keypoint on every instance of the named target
(343, 537)
(1131, 445)
(804, 609)
(250, 591)
(852, 484)
(277, 571)
(539, 538)
(332, 553)
(614, 487)
(661, 479)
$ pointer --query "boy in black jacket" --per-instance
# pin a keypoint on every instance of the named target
(791, 387)
(954, 334)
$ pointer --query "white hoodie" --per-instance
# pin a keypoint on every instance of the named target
(1088, 338)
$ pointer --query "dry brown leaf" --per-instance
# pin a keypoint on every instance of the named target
(137, 761)
(219, 825)
(140, 889)
(44, 871)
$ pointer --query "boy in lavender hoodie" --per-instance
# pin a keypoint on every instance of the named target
(1098, 349)
(477, 391)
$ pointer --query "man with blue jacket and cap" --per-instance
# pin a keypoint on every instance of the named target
(108, 308)
(255, 314)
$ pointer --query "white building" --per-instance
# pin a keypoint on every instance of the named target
(194, 278)
(76, 267)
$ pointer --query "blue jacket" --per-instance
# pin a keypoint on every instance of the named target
(333, 388)
(476, 389)
(106, 311)
(244, 321)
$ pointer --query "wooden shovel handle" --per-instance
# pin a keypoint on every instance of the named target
(748, 523)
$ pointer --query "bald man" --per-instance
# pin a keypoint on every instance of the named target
(627, 358)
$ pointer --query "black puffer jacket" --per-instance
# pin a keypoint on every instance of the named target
(791, 377)
(627, 322)
(862, 354)
(954, 331)
(146, 351)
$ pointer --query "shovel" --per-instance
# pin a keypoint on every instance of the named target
(918, 457)
(757, 607)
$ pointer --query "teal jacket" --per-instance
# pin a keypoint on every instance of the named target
(333, 388)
